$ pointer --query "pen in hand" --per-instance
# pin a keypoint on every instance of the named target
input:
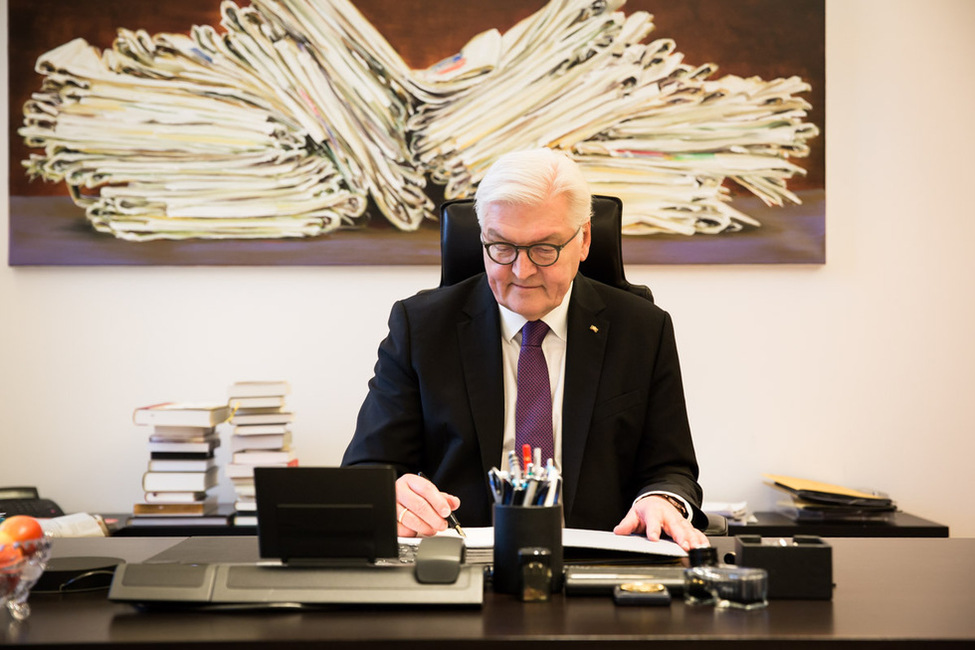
(451, 518)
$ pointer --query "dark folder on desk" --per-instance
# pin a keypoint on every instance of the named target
(824, 502)
(826, 493)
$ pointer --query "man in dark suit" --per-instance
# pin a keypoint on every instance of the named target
(442, 401)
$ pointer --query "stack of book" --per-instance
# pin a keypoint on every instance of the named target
(182, 467)
(261, 437)
(824, 502)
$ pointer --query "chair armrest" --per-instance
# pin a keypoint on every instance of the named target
(717, 525)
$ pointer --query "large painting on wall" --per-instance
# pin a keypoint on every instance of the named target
(316, 132)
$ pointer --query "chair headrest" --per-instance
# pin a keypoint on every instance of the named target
(461, 254)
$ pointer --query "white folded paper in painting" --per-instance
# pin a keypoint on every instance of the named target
(644, 126)
(298, 114)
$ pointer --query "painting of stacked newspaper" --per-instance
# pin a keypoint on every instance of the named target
(315, 122)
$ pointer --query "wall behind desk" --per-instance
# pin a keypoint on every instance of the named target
(859, 372)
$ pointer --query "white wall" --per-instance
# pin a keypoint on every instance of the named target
(859, 372)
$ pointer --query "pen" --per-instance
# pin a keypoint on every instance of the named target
(451, 518)
(497, 484)
(526, 456)
(514, 468)
(528, 496)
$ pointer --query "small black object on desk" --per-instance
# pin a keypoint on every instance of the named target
(801, 567)
(76, 573)
(774, 524)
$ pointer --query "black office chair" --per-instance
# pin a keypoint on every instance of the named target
(461, 257)
(461, 253)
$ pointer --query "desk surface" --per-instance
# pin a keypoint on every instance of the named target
(888, 592)
(768, 524)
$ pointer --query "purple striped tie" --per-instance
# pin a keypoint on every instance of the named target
(533, 410)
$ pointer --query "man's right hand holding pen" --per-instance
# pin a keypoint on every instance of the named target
(421, 509)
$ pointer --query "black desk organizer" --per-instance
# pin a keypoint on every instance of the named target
(800, 567)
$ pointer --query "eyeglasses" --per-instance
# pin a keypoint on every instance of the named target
(504, 253)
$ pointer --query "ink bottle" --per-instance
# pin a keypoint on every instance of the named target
(536, 573)
(708, 582)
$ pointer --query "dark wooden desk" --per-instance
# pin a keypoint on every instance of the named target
(889, 593)
(773, 524)
(769, 524)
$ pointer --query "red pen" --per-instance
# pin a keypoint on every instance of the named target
(526, 456)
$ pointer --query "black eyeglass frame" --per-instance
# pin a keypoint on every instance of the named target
(528, 250)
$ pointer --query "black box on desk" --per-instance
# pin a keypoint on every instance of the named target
(801, 567)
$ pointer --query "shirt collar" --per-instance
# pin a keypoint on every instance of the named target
(557, 319)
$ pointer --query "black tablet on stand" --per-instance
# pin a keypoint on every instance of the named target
(311, 515)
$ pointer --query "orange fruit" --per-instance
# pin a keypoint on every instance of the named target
(21, 528)
(10, 557)
(9, 554)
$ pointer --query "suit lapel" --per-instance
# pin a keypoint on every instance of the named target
(479, 334)
(588, 329)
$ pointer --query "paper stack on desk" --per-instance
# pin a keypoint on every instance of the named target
(817, 501)
(734, 510)
(479, 544)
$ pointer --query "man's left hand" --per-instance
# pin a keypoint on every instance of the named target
(653, 515)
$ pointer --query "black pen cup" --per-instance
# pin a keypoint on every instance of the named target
(525, 527)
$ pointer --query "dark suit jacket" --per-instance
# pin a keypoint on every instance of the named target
(436, 402)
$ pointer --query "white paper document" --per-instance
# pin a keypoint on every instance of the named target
(483, 539)
(609, 541)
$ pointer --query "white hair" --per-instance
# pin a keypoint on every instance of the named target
(532, 177)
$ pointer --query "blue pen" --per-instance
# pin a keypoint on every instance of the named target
(494, 482)
(500, 485)
(554, 487)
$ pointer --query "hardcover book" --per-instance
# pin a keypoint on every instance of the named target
(182, 414)
(258, 389)
(181, 464)
(184, 447)
(205, 507)
(264, 457)
(179, 481)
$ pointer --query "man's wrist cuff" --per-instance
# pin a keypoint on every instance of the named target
(682, 506)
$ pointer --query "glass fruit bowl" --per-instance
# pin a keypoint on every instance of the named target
(21, 565)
